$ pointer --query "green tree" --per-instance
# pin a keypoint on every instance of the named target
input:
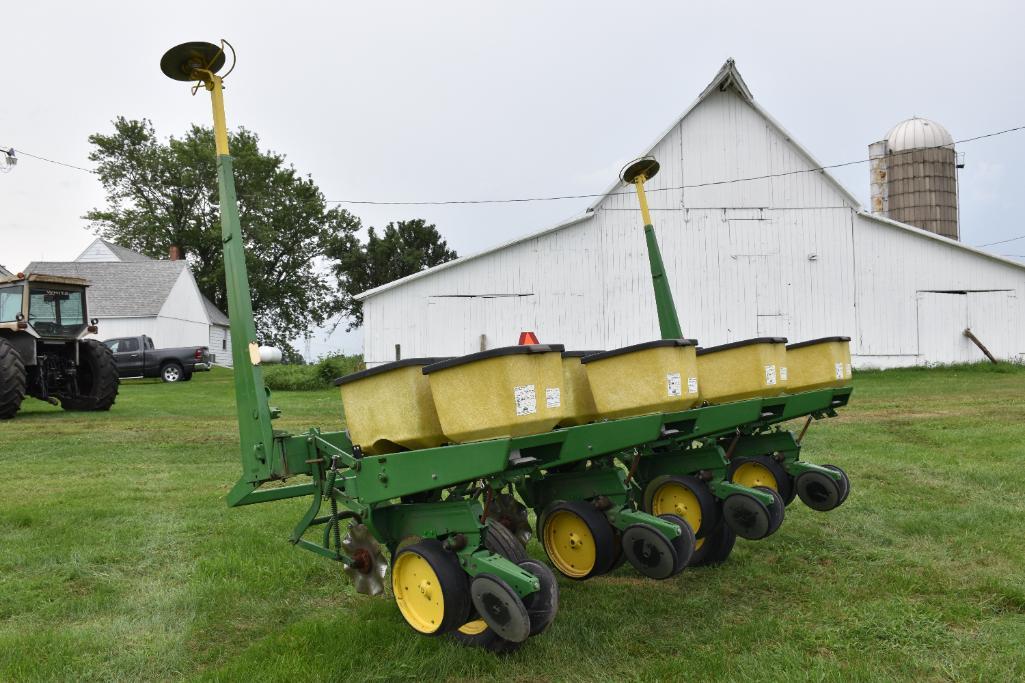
(406, 247)
(164, 194)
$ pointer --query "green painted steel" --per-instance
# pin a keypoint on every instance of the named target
(251, 397)
(668, 321)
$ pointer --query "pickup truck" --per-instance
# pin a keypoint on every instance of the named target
(137, 357)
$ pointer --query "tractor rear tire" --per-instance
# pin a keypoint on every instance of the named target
(12, 380)
(98, 381)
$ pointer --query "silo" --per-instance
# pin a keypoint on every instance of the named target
(914, 176)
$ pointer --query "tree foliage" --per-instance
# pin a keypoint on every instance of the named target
(164, 194)
(404, 248)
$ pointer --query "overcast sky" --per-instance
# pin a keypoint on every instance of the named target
(440, 100)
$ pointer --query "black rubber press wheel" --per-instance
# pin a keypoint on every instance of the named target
(747, 516)
(820, 491)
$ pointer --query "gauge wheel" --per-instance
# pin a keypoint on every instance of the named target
(686, 497)
(430, 588)
(762, 470)
(579, 540)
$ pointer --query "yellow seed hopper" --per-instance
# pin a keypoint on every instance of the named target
(653, 377)
(819, 363)
(389, 408)
(743, 369)
(509, 391)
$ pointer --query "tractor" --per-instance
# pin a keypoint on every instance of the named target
(44, 352)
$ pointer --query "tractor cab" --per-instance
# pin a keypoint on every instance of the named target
(46, 306)
(44, 352)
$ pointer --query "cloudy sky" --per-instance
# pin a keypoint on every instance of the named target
(446, 100)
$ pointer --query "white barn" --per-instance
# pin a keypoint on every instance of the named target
(132, 294)
(791, 255)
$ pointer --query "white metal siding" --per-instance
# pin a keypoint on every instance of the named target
(788, 255)
(894, 266)
(220, 345)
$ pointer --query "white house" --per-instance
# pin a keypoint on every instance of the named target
(132, 294)
(789, 253)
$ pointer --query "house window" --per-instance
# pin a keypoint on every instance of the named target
(224, 344)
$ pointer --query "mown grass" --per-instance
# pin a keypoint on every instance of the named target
(120, 561)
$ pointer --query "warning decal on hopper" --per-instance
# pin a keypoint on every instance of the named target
(526, 400)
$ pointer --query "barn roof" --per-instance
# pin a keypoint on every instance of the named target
(728, 78)
(136, 289)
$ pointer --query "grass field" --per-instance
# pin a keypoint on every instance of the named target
(119, 559)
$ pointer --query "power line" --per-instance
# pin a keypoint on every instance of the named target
(49, 161)
(520, 200)
(1010, 239)
(660, 189)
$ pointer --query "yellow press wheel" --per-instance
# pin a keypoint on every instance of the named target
(579, 541)
(686, 497)
(764, 471)
(474, 628)
(430, 588)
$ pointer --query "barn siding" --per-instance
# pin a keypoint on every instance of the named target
(784, 255)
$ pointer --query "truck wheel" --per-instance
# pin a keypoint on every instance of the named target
(12, 380)
(172, 372)
(98, 381)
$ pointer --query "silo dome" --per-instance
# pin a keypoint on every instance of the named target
(917, 133)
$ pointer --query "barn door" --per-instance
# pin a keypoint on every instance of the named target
(996, 319)
(942, 319)
(759, 284)
(993, 316)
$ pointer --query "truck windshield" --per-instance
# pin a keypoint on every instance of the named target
(56, 312)
(10, 303)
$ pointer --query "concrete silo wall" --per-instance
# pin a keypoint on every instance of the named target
(922, 189)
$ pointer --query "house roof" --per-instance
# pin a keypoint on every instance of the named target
(123, 255)
(135, 289)
(214, 313)
(728, 78)
(5, 272)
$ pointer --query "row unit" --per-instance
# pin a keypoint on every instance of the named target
(522, 390)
